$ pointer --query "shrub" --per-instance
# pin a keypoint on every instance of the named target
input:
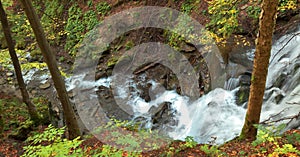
(51, 143)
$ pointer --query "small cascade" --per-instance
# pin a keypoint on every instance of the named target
(283, 81)
(214, 117)
(231, 83)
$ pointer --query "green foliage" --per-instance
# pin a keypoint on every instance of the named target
(41, 105)
(223, 19)
(190, 142)
(103, 8)
(253, 11)
(174, 39)
(52, 20)
(5, 60)
(49, 11)
(224, 14)
(133, 138)
(56, 145)
(267, 134)
(90, 19)
(21, 29)
(293, 138)
(272, 135)
(182, 32)
(287, 5)
(5, 4)
(187, 6)
(80, 22)
(32, 65)
(74, 29)
(109, 151)
(15, 113)
(210, 151)
(23, 128)
(286, 148)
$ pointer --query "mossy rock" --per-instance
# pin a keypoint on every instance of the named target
(242, 95)
(112, 61)
(36, 55)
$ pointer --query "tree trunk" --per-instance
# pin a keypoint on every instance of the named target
(11, 48)
(49, 57)
(260, 68)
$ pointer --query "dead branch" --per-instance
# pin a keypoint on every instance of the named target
(290, 118)
(294, 35)
(269, 119)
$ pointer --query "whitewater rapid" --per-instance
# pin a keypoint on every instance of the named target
(215, 117)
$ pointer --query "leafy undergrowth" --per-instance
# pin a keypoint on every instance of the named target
(267, 145)
(50, 141)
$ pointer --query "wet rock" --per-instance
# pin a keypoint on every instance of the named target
(110, 106)
(280, 80)
(187, 48)
(154, 110)
(242, 95)
(278, 98)
(158, 90)
(45, 85)
(71, 94)
(100, 74)
(9, 74)
(245, 80)
(163, 114)
(33, 92)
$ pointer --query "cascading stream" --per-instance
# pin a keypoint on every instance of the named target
(214, 117)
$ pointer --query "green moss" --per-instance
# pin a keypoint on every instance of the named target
(112, 61)
(241, 97)
(129, 45)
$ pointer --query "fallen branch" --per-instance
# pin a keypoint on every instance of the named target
(290, 118)
(292, 103)
(294, 35)
(266, 121)
(145, 68)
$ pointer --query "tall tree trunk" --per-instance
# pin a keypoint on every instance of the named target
(260, 68)
(49, 57)
(11, 48)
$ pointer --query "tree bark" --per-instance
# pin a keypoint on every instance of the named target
(69, 114)
(260, 68)
(11, 48)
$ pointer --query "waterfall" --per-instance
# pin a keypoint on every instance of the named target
(215, 117)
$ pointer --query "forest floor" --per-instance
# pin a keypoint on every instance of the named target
(14, 116)
(279, 145)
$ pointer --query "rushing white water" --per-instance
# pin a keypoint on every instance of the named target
(283, 80)
(215, 117)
